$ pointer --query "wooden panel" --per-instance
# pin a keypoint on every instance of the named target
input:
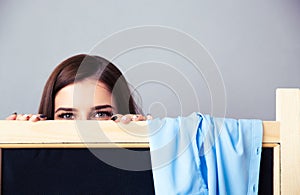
(271, 132)
(288, 113)
(269, 145)
(82, 134)
(77, 145)
(276, 170)
(75, 133)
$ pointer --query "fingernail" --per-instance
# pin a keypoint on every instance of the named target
(26, 116)
(124, 118)
(114, 118)
(43, 116)
(149, 117)
(134, 117)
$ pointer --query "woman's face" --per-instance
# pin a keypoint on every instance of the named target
(84, 100)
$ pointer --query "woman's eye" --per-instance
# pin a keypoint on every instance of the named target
(102, 115)
(67, 116)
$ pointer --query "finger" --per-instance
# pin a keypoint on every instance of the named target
(25, 117)
(19, 116)
(116, 117)
(138, 117)
(126, 118)
(149, 117)
(134, 117)
(34, 118)
(42, 117)
(13, 116)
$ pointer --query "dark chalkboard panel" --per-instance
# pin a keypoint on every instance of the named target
(78, 171)
(68, 171)
(266, 172)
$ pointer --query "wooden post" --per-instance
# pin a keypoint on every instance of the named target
(288, 114)
(276, 170)
(0, 170)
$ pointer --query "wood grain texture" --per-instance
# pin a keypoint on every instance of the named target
(288, 114)
(71, 132)
(276, 170)
(82, 134)
(271, 132)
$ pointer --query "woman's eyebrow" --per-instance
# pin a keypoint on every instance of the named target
(66, 109)
(101, 107)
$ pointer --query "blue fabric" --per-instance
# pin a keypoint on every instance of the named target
(200, 154)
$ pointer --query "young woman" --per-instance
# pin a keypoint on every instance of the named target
(85, 87)
(82, 87)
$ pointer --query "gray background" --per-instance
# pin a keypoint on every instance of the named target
(255, 44)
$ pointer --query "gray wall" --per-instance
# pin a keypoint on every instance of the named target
(255, 44)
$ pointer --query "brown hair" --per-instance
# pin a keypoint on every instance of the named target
(80, 67)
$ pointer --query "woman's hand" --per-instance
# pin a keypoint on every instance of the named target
(117, 117)
(27, 117)
(130, 117)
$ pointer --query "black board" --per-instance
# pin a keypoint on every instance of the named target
(78, 171)
(266, 175)
(68, 171)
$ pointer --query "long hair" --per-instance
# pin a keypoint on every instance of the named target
(80, 67)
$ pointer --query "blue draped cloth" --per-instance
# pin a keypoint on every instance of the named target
(200, 154)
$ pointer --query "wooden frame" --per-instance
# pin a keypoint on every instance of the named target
(283, 135)
(288, 114)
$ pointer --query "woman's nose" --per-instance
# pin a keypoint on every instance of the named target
(82, 116)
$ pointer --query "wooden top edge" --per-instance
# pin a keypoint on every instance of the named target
(271, 132)
(82, 134)
(288, 89)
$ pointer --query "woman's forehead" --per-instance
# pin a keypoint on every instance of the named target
(86, 93)
(87, 85)
(90, 83)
